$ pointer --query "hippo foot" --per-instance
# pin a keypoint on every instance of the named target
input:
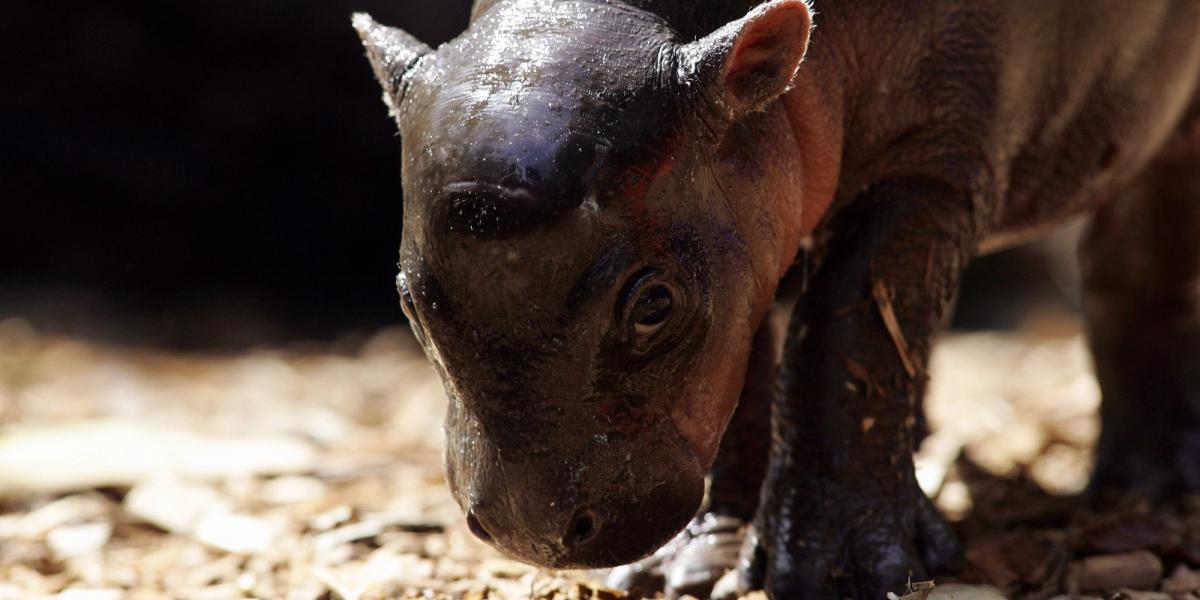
(832, 540)
(690, 564)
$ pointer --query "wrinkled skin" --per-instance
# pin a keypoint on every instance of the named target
(604, 199)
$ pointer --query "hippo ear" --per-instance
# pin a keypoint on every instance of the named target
(392, 53)
(752, 61)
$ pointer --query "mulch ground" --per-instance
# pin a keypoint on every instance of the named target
(314, 472)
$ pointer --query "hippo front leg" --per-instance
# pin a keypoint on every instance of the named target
(841, 513)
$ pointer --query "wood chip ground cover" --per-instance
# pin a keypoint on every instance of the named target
(314, 473)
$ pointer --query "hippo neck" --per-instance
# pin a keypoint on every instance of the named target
(815, 108)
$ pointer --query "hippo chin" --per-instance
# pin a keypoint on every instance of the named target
(650, 241)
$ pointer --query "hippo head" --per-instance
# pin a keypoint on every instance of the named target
(594, 225)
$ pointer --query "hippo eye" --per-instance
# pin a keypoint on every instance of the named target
(407, 305)
(406, 301)
(651, 310)
(647, 305)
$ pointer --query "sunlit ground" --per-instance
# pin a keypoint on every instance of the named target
(314, 472)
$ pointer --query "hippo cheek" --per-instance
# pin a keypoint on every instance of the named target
(710, 395)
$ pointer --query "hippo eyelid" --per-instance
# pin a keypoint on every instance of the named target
(631, 288)
(461, 188)
(491, 210)
(601, 275)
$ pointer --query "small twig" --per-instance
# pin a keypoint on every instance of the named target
(884, 301)
(339, 588)
(919, 590)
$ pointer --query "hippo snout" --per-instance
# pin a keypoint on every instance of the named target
(567, 496)
(594, 535)
(579, 529)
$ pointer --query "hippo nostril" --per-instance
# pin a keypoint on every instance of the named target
(477, 528)
(584, 528)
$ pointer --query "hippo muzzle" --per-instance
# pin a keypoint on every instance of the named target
(560, 497)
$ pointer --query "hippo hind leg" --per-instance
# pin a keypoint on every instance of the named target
(1141, 267)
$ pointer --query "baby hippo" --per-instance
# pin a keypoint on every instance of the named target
(648, 242)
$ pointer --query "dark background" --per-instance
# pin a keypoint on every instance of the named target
(221, 174)
(196, 172)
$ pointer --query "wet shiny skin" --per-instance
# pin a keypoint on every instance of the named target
(557, 169)
(568, 164)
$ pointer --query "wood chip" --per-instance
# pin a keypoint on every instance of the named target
(292, 490)
(89, 594)
(1126, 532)
(237, 533)
(1140, 595)
(340, 588)
(70, 509)
(353, 532)
(926, 590)
(122, 452)
(174, 504)
(1183, 580)
(331, 518)
(1132, 570)
(960, 591)
(70, 541)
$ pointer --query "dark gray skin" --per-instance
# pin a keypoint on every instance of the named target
(606, 200)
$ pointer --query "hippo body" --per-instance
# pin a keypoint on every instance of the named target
(647, 240)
